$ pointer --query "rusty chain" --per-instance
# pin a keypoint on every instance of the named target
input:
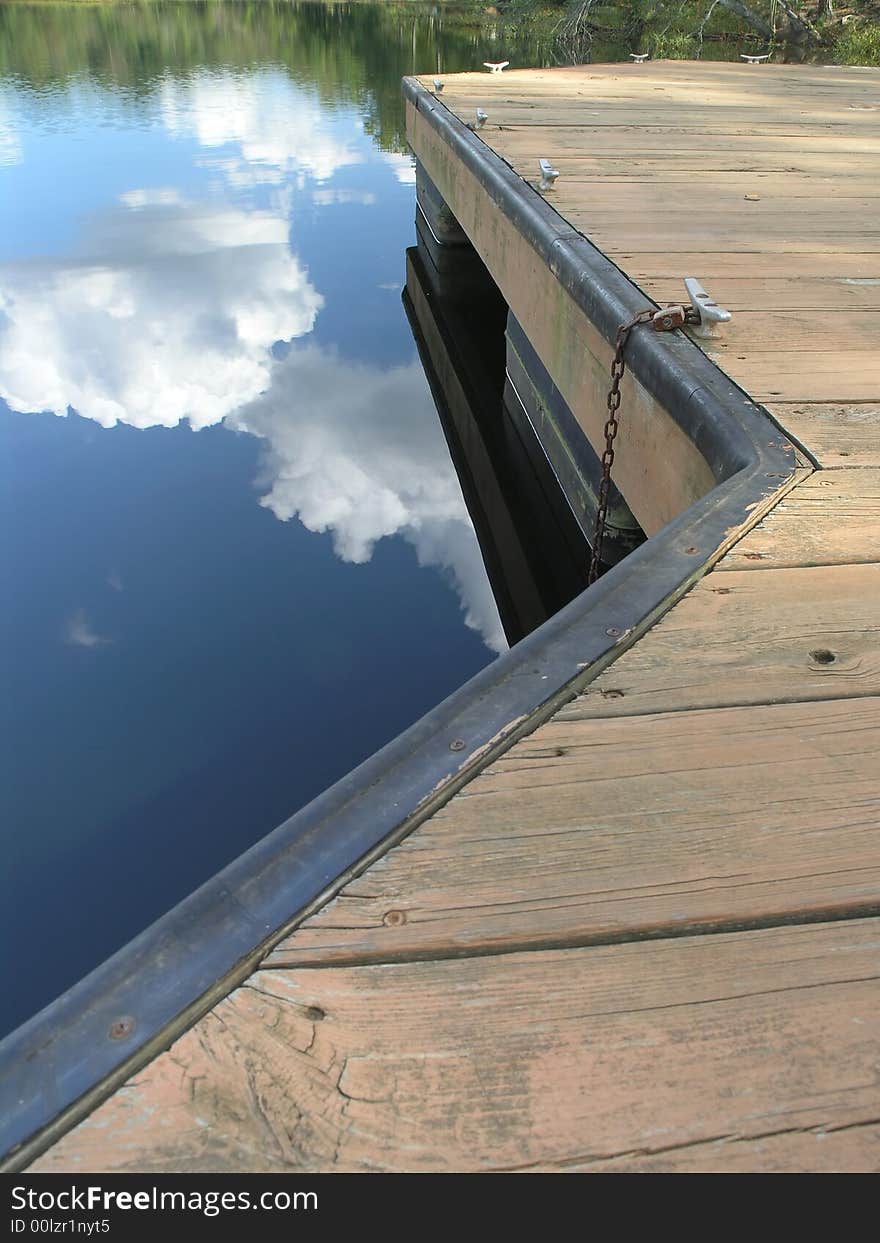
(618, 367)
(664, 320)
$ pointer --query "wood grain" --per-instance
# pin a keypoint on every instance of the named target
(837, 435)
(751, 636)
(523, 140)
(565, 1059)
(849, 1150)
(844, 376)
(850, 270)
(595, 830)
(830, 518)
(762, 174)
(764, 331)
(812, 297)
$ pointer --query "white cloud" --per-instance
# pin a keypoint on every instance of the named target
(161, 197)
(326, 198)
(79, 631)
(10, 146)
(240, 175)
(404, 166)
(170, 313)
(279, 127)
(359, 452)
(172, 317)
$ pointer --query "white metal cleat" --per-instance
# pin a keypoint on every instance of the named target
(548, 175)
(705, 316)
(753, 60)
(438, 86)
(481, 118)
(639, 57)
(495, 66)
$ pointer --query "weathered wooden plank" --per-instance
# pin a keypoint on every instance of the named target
(768, 331)
(576, 83)
(793, 237)
(858, 271)
(602, 830)
(757, 295)
(837, 435)
(636, 140)
(564, 102)
(525, 1060)
(697, 85)
(851, 1150)
(753, 220)
(619, 80)
(721, 211)
(853, 178)
(720, 121)
(751, 636)
(771, 118)
(842, 376)
(830, 518)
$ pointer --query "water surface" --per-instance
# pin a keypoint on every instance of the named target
(236, 558)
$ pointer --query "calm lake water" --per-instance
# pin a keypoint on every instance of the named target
(236, 557)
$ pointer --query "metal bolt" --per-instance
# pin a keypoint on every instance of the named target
(121, 1027)
(692, 549)
(457, 744)
(613, 631)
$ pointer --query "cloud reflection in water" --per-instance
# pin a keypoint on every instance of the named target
(170, 310)
(167, 312)
(278, 127)
(359, 452)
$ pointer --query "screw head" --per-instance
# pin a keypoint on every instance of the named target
(121, 1027)
(457, 744)
(613, 631)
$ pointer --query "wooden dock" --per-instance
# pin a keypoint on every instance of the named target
(647, 936)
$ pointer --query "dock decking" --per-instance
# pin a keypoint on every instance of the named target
(647, 937)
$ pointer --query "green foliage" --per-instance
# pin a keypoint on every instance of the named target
(692, 28)
(357, 51)
(858, 43)
(671, 45)
(350, 52)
